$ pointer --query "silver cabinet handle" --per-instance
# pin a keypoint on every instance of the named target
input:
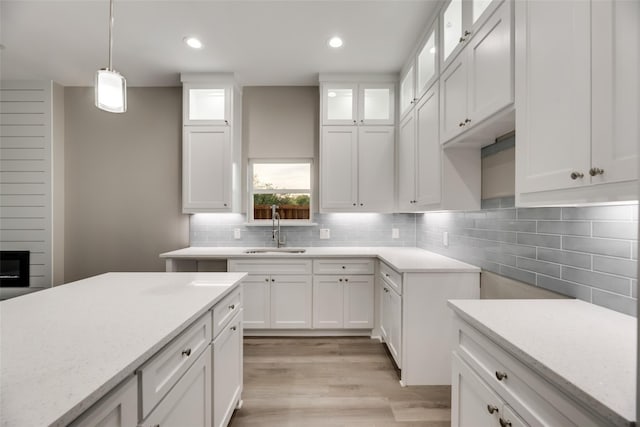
(340, 280)
(186, 352)
(386, 290)
(492, 408)
(596, 171)
(346, 280)
(467, 121)
(386, 275)
(344, 266)
(501, 375)
(504, 423)
(576, 175)
(266, 280)
(233, 328)
(232, 306)
(461, 124)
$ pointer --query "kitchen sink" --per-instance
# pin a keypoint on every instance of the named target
(275, 251)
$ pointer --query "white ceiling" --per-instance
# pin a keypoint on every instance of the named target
(265, 42)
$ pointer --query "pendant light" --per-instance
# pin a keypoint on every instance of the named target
(110, 85)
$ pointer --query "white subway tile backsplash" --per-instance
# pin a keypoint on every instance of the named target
(574, 259)
(617, 248)
(607, 282)
(616, 230)
(621, 267)
(615, 302)
(574, 228)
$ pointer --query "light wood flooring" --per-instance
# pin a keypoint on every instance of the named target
(332, 382)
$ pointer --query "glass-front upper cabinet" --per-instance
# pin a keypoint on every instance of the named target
(460, 19)
(427, 63)
(206, 104)
(407, 90)
(339, 103)
(358, 104)
(376, 102)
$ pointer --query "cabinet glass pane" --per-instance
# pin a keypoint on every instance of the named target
(427, 62)
(206, 104)
(406, 90)
(452, 27)
(376, 104)
(479, 6)
(339, 104)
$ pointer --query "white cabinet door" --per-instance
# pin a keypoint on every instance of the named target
(453, 103)
(452, 26)
(339, 167)
(511, 419)
(376, 172)
(339, 102)
(407, 164)
(553, 98)
(427, 63)
(189, 401)
(489, 56)
(390, 322)
(473, 403)
(428, 151)
(376, 103)
(328, 301)
(256, 302)
(206, 169)
(118, 409)
(407, 91)
(291, 298)
(206, 104)
(615, 68)
(227, 372)
(358, 302)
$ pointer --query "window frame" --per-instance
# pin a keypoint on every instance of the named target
(251, 190)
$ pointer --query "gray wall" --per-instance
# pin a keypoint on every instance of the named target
(123, 175)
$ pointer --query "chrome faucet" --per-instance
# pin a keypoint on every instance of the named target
(275, 234)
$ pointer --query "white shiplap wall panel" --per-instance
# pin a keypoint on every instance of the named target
(25, 173)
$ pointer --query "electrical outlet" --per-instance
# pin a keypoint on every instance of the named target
(325, 233)
(395, 233)
(236, 233)
(445, 239)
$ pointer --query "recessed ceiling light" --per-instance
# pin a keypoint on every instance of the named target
(335, 41)
(331, 94)
(193, 42)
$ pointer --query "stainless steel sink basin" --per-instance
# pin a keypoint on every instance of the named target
(275, 251)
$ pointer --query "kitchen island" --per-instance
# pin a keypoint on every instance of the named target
(65, 348)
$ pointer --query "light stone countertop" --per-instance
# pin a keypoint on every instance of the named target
(587, 351)
(402, 259)
(64, 348)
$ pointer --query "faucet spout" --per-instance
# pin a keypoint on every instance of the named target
(275, 234)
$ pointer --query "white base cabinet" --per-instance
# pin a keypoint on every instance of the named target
(343, 302)
(415, 322)
(189, 401)
(119, 409)
(227, 371)
(291, 302)
(492, 387)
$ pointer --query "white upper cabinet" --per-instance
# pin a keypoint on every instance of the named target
(211, 143)
(459, 21)
(427, 63)
(478, 84)
(407, 90)
(577, 104)
(206, 104)
(358, 103)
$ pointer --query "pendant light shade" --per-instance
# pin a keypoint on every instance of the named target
(111, 91)
(110, 85)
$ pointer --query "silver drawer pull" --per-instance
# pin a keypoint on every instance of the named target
(504, 423)
(343, 267)
(501, 375)
(233, 328)
(386, 290)
(186, 352)
(386, 275)
(492, 408)
(232, 306)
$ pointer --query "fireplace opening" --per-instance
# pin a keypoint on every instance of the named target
(14, 269)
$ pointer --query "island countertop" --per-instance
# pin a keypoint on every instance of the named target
(64, 348)
(587, 351)
(402, 259)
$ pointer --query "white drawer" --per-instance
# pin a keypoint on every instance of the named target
(224, 310)
(343, 266)
(391, 277)
(271, 266)
(159, 375)
(534, 399)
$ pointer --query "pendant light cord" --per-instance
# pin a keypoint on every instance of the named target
(110, 34)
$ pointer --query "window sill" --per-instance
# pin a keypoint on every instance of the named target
(283, 223)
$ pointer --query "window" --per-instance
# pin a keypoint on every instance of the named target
(284, 183)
